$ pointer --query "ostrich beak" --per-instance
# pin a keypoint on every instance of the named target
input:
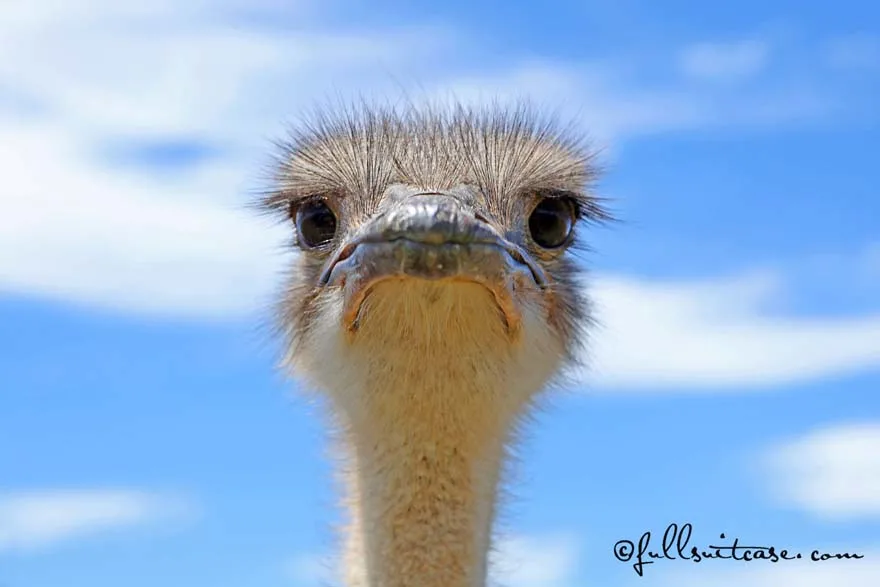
(431, 237)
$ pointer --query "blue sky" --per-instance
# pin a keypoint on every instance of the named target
(145, 436)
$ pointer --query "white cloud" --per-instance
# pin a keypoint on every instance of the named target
(852, 573)
(612, 101)
(832, 472)
(37, 520)
(606, 105)
(175, 69)
(715, 334)
(85, 77)
(725, 62)
(535, 561)
(117, 240)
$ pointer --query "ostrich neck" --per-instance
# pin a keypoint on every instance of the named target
(427, 448)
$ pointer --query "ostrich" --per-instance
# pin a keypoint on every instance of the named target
(432, 301)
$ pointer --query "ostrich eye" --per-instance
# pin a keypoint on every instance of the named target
(551, 222)
(315, 224)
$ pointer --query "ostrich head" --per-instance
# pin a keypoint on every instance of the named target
(432, 300)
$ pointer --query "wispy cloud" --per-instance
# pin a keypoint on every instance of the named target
(78, 227)
(79, 233)
(715, 334)
(725, 62)
(42, 519)
(832, 472)
(83, 223)
(103, 71)
(616, 102)
(535, 561)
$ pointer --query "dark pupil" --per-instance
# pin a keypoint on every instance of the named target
(315, 224)
(551, 223)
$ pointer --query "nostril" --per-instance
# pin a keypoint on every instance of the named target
(481, 217)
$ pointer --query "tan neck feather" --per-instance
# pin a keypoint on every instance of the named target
(423, 500)
(428, 396)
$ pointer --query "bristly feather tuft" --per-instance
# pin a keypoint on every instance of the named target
(359, 149)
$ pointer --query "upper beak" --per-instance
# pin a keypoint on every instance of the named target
(430, 236)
